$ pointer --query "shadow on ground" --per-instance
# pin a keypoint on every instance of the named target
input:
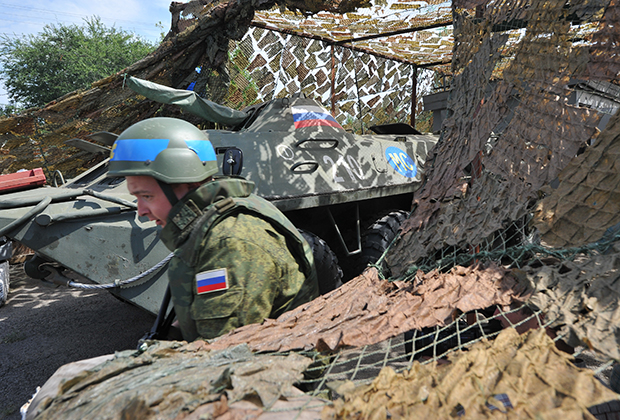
(43, 327)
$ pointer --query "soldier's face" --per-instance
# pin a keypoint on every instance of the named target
(152, 202)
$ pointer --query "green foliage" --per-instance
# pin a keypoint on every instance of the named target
(8, 110)
(37, 69)
(243, 87)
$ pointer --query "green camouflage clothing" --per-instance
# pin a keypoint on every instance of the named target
(221, 225)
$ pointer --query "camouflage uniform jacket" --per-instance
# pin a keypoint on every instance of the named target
(238, 260)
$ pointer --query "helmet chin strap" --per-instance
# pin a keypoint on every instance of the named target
(169, 192)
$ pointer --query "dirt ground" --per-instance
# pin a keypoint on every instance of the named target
(43, 326)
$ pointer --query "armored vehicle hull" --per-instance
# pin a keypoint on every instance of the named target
(328, 181)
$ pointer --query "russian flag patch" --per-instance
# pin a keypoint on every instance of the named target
(211, 281)
(312, 115)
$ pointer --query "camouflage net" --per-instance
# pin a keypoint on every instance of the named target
(359, 89)
(478, 383)
(515, 231)
(515, 124)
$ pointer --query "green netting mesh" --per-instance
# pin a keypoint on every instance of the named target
(359, 89)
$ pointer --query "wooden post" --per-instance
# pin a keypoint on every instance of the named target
(333, 109)
(480, 12)
(414, 95)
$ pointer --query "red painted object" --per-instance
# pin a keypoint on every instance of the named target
(23, 180)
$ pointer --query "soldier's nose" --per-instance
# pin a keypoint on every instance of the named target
(142, 210)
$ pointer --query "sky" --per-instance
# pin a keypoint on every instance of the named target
(22, 17)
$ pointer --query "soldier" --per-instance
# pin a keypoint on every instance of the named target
(237, 259)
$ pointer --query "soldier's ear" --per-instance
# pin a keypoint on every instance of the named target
(180, 190)
(194, 185)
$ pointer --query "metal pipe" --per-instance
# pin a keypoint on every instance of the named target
(26, 216)
(65, 196)
(333, 80)
(48, 219)
(111, 199)
(25, 202)
(364, 50)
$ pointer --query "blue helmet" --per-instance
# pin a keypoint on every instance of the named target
(168, 149)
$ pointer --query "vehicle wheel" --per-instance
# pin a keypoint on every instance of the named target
(327, 269)
(379, 235)
(4, 282)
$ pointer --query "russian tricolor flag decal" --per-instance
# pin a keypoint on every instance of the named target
(211, 281)
(312, 115)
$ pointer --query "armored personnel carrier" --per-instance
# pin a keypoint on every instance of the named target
(347, 193)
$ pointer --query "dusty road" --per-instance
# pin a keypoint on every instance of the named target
(43, 327)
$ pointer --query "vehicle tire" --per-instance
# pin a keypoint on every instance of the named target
(328, 271)
(379, 235)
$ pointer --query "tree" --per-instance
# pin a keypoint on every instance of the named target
(8, 110)
(37, 69)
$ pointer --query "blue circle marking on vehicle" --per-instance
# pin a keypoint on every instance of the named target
(401, 161)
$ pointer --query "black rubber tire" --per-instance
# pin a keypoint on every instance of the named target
(379, 235)
(328, 271)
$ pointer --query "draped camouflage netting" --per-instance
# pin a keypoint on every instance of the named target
(523, 104)
(506, 264)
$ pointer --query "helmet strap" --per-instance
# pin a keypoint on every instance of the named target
(169, 192)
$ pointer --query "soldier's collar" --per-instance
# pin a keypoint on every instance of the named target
(195, 202)
(185, 214)
(180, 219)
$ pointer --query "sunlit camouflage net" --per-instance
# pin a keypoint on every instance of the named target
(414, 31)
(525, 101)
(518, 118)
(527, 104)
(266, 64)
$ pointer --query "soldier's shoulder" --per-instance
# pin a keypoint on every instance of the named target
(241, 225)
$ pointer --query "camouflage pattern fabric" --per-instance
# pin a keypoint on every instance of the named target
(222, 226)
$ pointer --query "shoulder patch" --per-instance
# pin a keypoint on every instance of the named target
(211, 281)
(186, 215)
